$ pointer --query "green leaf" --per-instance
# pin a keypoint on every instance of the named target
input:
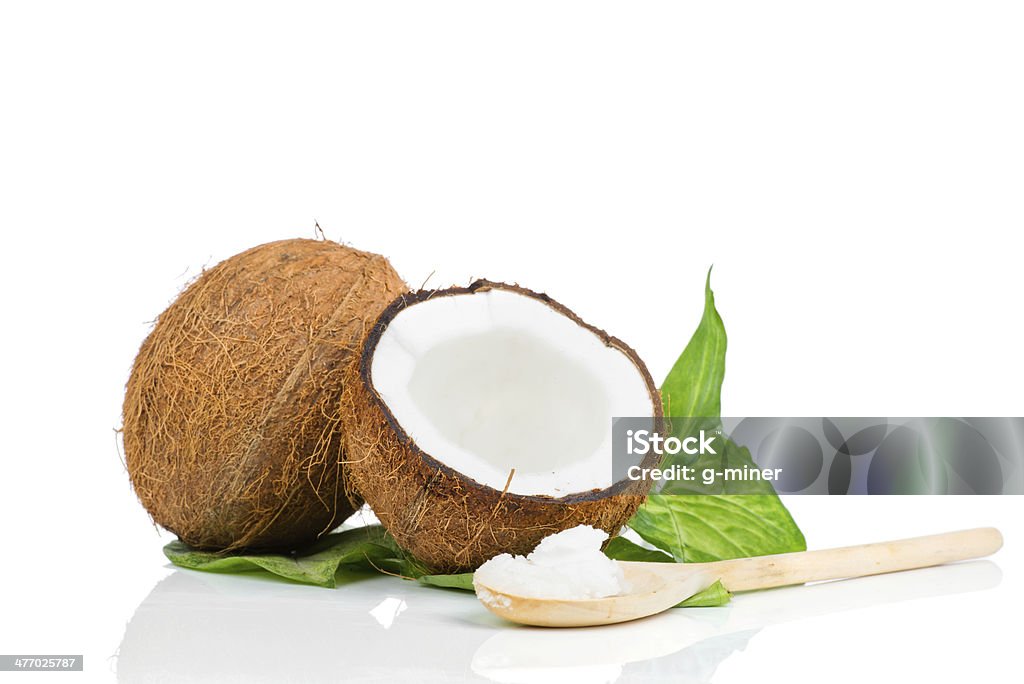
(735, 519)
(621, 548)
(696, 529)
(694, 385)
(713, 596)
(462, 581)
(368, 547)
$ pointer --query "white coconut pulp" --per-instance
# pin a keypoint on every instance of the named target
(568, 565)
(496, 380)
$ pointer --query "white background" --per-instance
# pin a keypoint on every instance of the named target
(853, 170)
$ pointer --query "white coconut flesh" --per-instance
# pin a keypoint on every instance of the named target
(492, 381)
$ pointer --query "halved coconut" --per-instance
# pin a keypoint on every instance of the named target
(487, 422)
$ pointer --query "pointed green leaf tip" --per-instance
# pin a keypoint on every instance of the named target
(712, 597)
(693, 387)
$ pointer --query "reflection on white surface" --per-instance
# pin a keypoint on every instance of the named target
(688, 645)
(387, 610)
(521, 655)
(206, 627)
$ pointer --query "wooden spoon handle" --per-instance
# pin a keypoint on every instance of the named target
(764, 572)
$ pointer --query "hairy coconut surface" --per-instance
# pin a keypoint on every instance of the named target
(444, 518)
(231, 433)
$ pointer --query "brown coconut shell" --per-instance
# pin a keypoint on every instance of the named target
(231, 433)
(445, 519)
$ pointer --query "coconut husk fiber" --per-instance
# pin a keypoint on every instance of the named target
(232, 437)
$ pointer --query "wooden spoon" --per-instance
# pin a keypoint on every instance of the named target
(655, 587)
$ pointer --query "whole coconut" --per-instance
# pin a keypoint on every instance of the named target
(232, 436)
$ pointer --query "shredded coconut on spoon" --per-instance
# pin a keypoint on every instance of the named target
(567, 565)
